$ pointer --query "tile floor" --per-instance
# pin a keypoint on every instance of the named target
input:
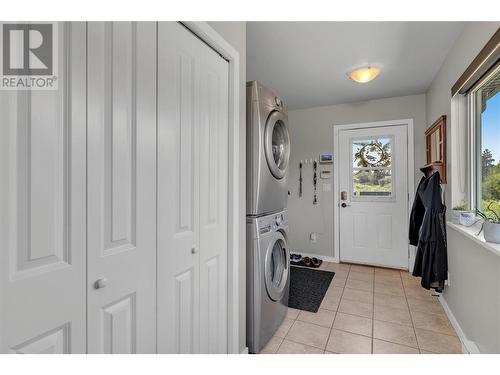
(368, 310)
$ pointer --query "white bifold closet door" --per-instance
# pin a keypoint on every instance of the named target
(121, 179)
(192, 194)
(42, 209)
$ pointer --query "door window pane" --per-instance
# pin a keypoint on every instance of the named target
(373, 182)
(371, 153)
(372, 167)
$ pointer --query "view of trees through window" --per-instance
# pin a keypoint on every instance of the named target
(490, 148)
(372, 174)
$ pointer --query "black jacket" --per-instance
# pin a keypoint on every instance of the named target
(428, 233)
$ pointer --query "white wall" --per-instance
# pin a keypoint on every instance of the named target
(311, 133)
(474, 293)
(235, 34)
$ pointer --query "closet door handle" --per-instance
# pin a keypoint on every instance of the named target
(100, 283)
(194, 250)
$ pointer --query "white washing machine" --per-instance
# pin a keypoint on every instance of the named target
(268, 277)
(268, 151)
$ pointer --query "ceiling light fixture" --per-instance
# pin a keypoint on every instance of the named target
(365, 74)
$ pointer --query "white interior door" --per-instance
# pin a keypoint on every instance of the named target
(373, 185)
(121, 187)
(192, 193)
(42, 209)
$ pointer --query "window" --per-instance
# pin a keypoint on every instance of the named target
(484, 102)
(372, 167)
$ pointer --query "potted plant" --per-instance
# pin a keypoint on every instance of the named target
(457, 211)
(491, 225)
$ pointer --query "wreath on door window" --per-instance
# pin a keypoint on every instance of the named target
(373, 155)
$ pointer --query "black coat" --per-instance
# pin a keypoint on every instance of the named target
(428, 233)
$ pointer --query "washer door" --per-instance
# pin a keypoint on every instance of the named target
(277, 267)
(277, 143)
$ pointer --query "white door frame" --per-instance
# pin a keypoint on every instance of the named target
(208, 35)
(336, 180)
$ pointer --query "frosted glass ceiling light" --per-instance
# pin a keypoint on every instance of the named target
(363, 75)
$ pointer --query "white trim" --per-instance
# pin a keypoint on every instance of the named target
(324, 258)
(245, 350)
(468, 346)
(410, 175)
(214, 40)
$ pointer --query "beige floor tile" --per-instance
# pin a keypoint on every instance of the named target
(360, 285)
(388, 272)
(392, 315)
(417, 292)
(330, 303)
(334, 291)
(272, 345)
(437, 342)
(290, 347)
(384, 347)
(292, 313)
(358, 295)
(361, 268)
(284, 327)
(340, 275)
(348, 306)
(322, 318)
(431, 307)
(391, 280)
(426, 352)
(391, 301)
(335, 267)
(391, 289)
(353, 324)
(432, 322)
(327, 352)
(338, 283)
(396, 333)
(308, 334)
(362, 276)
(348, 343)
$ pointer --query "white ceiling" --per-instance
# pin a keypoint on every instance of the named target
(306, 62)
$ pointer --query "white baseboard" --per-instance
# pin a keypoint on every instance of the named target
(245, 351)
(468, 346)
(322, 257)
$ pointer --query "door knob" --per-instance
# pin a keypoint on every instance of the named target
(194, 250)
(344, 205)
(100, 283)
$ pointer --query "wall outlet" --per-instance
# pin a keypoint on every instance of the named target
(312, 237)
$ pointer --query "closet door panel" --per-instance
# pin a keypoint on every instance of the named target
(213, 201)
(178, 190)
(42, 209)
(121, 187)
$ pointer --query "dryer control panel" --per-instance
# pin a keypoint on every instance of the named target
(272, 223)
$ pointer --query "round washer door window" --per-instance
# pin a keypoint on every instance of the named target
(277, 145)
(277, 267)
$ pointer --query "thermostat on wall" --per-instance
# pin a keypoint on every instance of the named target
(326, 158)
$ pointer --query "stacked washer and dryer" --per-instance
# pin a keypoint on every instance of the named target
(268, 256)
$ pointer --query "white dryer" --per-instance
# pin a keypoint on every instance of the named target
(268, 277)
(268, 151)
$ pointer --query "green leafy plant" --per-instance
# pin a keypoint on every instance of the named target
(460, 207)
(489, 215)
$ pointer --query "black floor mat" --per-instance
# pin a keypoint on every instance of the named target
(308, 287)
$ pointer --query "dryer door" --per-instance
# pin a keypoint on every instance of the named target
(277, 143)
(277, 266)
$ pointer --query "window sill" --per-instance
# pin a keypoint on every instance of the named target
(471, 232)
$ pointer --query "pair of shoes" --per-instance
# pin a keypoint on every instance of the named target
(295, 258)
(311, 262)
